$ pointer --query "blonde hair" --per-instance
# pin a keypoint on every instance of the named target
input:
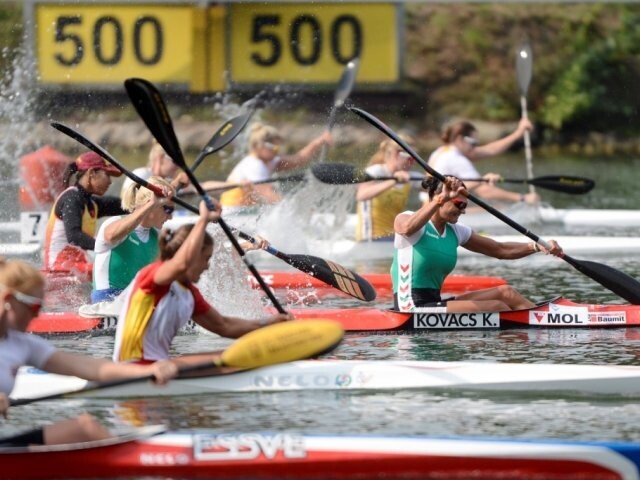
(136, 195)
(156, 152)
(20, 276)
(261, 133)
(386, 146)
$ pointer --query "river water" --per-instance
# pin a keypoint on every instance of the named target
(420, 412)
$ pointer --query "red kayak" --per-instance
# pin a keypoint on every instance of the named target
(53, 323)
(294, 279)
(211, 454)
(380, 281)
(556, 313)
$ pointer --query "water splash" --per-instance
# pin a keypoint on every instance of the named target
(309, 212)
(224, 284)
(17, 106)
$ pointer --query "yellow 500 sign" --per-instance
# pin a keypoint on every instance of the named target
(201, 45)
(103, 43)
(311, 42)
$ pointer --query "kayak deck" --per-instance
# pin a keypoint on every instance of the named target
(269, 455)
(556, 313)
(380, 281)
(364, 375)
(64, 323)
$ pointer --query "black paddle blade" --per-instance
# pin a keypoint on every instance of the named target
(564, 184)
(338, 173)
(151, 107)
(223, 136)
(333, 274)
(618, 282)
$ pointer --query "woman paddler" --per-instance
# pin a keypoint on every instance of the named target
(426, 243)
(265, 158)
(21, 297)
(71, 228)
(125, 244)
(379, 201)
(461, 146)
(163, 297)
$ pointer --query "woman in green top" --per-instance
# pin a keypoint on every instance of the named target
(426, 244)
(127, 243)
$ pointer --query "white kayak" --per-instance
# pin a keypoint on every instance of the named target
(357, 375)
(546, 214)
(19, 249)
(341, 250)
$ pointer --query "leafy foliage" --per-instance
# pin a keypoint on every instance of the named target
(462, 58)
(596, 90)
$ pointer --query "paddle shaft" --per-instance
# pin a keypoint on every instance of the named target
(112, 384)
(277, 343)
(527, 145)
(612, 279)
(524, 72)
(344, 174)
(289, 178)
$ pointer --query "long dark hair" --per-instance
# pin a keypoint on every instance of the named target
(433, 186)
(71, 175)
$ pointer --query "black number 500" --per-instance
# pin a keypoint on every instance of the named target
(306, 26)
(66, 32)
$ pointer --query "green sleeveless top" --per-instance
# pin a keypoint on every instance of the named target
(427, 263)
(125, 260)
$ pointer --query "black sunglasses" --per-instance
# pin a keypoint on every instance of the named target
(168, 209)
(459, 204)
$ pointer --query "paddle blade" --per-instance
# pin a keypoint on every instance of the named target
(564, 184)
(338, 173)
(348, 79)
(524, 67)
(618, 282)
(283, 342)
(223, 136)
(151, 107)
(333, 274)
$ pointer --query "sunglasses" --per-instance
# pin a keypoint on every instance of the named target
(471, 141)
(459, 204)
(34, 303)
(168, 209)
(271, 146)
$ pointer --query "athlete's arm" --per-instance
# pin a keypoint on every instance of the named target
(70, 208)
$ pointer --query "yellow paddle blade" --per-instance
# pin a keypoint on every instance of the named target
(283, 342)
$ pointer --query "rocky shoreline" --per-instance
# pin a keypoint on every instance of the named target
(193, 135)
